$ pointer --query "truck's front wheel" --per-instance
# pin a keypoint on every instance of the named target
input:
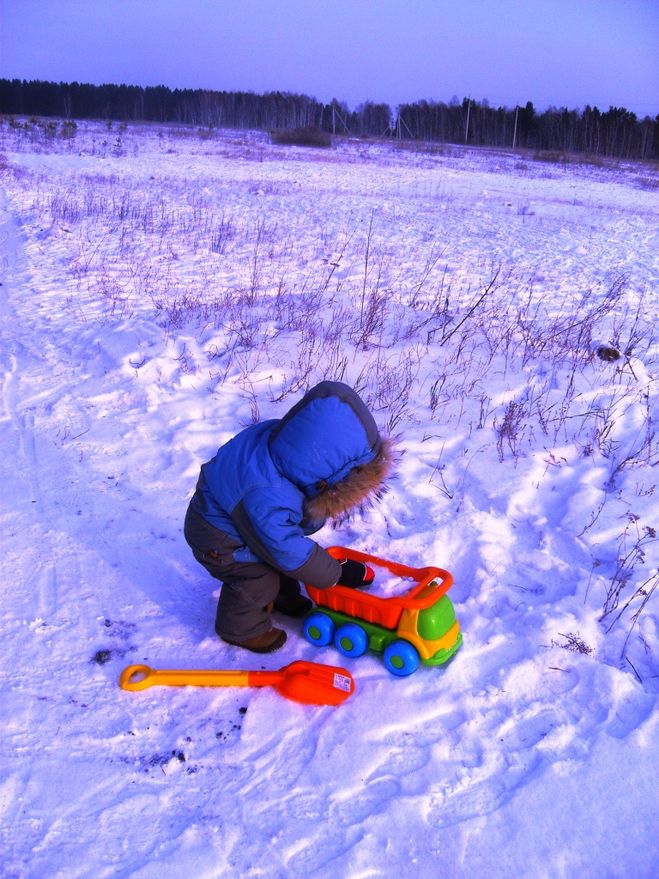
(401, 658)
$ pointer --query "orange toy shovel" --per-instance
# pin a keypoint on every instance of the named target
(307, 682)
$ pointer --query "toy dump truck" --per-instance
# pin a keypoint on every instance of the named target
(416, 626)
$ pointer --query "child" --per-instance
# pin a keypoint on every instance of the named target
(265, 491)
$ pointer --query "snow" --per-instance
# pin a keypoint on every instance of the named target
(163, 287)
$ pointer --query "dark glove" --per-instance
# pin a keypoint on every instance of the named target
(355, 574)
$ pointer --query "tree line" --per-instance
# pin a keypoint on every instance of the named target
(615, 132)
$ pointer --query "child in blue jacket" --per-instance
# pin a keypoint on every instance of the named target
(262, 495)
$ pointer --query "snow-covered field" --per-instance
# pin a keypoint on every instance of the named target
(161, 288)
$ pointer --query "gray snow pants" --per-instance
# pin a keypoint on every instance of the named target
(248, 588)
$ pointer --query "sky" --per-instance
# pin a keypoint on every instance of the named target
(563, 53)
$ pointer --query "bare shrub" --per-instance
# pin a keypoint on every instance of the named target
(510, 430)
(306, 137)
(222, 233)
(624, 582)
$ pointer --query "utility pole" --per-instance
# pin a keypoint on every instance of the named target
(336, 115)
(399, 128)
(515, 128)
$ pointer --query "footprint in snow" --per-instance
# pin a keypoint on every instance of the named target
(316, 859)
(406, 754)
(357, 806)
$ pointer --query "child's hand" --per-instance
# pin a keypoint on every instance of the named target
(355, 574)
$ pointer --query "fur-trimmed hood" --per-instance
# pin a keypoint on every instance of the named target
(362, 486)
(330, 447)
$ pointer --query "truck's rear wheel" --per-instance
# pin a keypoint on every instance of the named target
(318, 629)
(351, 640)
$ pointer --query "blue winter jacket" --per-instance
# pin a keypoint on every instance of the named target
(268, 487)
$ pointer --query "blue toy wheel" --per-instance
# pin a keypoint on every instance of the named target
(401, 658)
(351, 640)
(318, 629)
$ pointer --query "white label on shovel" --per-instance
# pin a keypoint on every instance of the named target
(342, 682)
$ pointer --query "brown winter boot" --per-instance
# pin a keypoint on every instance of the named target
(267, 642)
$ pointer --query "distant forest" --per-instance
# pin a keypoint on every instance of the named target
(615, 133)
